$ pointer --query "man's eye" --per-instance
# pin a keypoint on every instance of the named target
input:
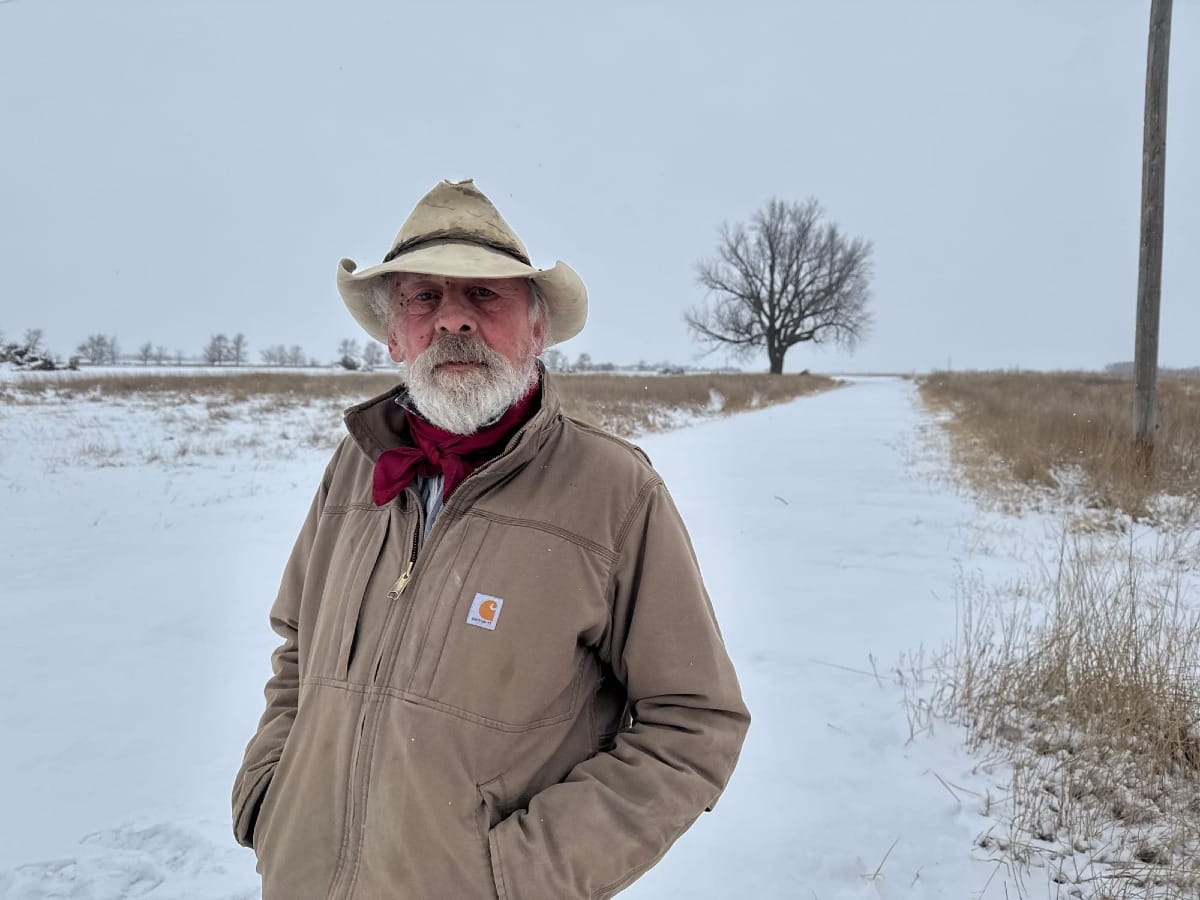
(423, 297)
(484, 293)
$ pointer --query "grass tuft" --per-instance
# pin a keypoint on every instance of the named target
(1085, 677)
(1090, 688)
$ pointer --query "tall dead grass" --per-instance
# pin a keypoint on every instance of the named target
(174, 419)
(1089, 684)
(637, 404)
(1046, 428)
(234, 387)
(624, 404)
(1085, 678)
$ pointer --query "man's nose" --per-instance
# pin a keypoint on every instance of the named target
(456, 313)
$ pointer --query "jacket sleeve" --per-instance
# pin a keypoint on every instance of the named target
(283, 687)
(616, 813)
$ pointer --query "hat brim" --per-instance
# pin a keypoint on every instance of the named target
(562, 288)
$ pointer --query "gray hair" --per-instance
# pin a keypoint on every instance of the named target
(383, 290)
(381, 297)
(539, 310)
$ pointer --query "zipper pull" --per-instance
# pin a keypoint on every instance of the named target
(401, 582)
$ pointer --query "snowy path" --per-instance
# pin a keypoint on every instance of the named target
(860, 560)
(135, 644)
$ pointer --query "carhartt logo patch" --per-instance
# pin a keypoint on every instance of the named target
(485, 611)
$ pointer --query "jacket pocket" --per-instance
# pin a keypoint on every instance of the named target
(493, 803)
(248, 812)
(515, 629)
(492, 810)
(270, 798)
(352, 559)
(264, 812)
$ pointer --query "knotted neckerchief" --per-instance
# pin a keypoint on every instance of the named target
(436, 451)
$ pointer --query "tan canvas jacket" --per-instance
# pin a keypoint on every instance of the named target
(419, 742)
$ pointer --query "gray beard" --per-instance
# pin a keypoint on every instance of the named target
(464, 402)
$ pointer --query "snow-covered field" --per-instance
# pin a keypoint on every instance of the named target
(134, 645)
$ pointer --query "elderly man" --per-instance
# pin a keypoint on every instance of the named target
(500, 674)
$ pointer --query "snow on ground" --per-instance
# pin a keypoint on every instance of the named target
(135, 644)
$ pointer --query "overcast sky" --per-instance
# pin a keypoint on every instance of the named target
(170, 170)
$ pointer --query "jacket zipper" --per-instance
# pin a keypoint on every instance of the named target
(393, 595)
(398, 588)
(387, 660)
(364, 744)
(402, 581)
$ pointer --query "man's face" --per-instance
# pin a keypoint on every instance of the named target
(494, 310)
(468, 345)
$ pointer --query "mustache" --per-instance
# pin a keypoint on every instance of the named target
(458, 348)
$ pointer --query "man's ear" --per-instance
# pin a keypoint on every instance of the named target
(537, 335)
(539, 338)
(395, 345)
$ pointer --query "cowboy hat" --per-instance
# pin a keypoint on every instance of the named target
(456, 231)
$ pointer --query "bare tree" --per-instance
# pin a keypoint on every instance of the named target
(237, 349)
(160, 354)
(555, 360)
(86, 349)
(372, 355)
(33, 339)
(216, 351)
(296, 357)
(274, 356)
(146, 353)
(98, 349)
(348, 354)
(788, 278)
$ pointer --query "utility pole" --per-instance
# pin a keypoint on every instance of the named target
(1154, 165)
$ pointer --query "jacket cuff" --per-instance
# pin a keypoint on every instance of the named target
(246, 807)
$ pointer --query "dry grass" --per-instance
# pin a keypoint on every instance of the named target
(235, 387)
(636, 404)
(625, 404)
(1053, 429)
(119, 419)
(1089, 686)
(1085, 678)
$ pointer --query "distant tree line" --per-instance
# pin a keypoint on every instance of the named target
(355, 358)
(280, 355)
(223, 350)
(99, 350)
(220, 350)
(148, 353)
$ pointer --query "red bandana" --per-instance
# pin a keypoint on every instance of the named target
(441, 452)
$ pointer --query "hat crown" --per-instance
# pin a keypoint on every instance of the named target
(457, 211)
(455, 232)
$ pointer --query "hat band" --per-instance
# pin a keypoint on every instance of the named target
(455, 236)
